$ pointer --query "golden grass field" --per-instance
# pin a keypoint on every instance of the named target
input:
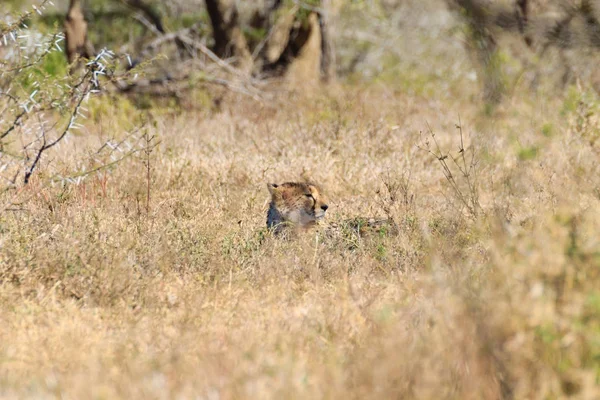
(101, 297)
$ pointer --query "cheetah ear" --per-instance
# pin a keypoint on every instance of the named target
(272, 187)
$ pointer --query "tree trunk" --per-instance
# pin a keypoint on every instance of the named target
(327, 49)
(229, 40)
(77, 43)
(299, 35)
(479, 18)
(264, 20)
(228, 36)
(522, 13)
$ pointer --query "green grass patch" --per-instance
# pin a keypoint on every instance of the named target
(528, 153)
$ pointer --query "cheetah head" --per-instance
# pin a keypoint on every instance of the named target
(301, 204)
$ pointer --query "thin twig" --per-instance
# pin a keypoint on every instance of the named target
(471, 200)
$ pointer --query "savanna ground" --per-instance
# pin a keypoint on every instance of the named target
(106, 293)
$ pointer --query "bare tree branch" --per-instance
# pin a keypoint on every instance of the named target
(14, 124)
(150, 13)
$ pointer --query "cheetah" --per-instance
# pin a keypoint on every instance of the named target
(295, 204)
(301, 205)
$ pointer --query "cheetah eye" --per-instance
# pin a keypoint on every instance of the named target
(310, 196)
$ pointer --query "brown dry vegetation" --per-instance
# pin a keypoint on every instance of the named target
(101, 299)
(105, 293)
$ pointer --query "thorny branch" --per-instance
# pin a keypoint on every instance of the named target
(9, 30)
(53, 43)
(45, 146)
(89, 83)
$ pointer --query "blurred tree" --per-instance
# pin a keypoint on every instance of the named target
(247, 44)
(327, 49)
(230, 41)
(483, 44)
(522, 13)
(75, 24)
(542, 25)
(227, 34)
(76, 33)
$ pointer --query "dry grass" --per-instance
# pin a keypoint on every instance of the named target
(100, 298)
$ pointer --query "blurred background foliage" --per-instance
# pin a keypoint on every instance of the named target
(433, 47)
